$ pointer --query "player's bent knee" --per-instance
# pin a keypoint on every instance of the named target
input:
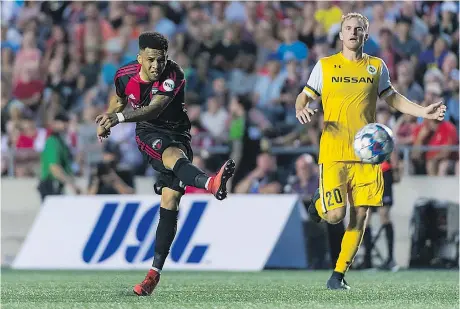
(171, 155)
(170, 199)
(335, 216)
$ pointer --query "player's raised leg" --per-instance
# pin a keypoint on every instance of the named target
(166, 231)
(330, 200)
(175, 159)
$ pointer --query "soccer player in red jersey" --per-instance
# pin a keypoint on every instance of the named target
(155, 88)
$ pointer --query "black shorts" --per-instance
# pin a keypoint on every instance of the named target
(152, 146)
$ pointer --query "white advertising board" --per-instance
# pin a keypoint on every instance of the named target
(118, 232)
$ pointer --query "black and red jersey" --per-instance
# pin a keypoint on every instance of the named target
(139, 93)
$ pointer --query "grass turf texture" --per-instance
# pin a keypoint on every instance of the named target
(206, 290)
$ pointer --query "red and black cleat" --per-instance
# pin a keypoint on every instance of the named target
(218, 184)
(146, 287)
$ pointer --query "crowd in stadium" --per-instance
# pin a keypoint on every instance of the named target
(245, 63)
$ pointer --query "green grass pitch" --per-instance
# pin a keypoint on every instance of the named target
(228, 290)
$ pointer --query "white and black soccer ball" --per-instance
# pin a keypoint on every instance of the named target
(374, 143)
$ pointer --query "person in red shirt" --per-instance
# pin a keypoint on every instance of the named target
(28, 145)
(435, 133)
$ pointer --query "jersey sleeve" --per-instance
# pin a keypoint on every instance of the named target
(385, 88)
(314, 85)
(119, 85)
(172, 83)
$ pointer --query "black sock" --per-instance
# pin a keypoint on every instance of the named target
(189, 174)
(166, 231)
(390, 239)
(367, 240)
(337, 275)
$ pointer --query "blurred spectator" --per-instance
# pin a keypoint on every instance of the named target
(243, 77)
(385, 116)
(8, 50)
(106, 178)
(449, 19)
(327, 15)
(268, 89)
(404, 129)
(434, 133)
(305, 181)
(29, 142)
(214, 118)
(291, 48)
(158, 21)
(405, 46)
(405, 83)
(291, 88)
(89, 73)
(434, 57)
(28, 81)
(387, 51)
(112, 61)
(263, 179)
(56, 161)
(452, 113)
(419, 29)
(201, 137)
(307, 24)
(379, 21)
(244, 136)
(93, 31)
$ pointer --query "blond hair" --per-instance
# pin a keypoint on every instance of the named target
(355, 15)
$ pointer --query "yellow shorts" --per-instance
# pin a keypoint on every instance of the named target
(361, 183)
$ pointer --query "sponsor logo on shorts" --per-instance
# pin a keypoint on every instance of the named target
(157, 144)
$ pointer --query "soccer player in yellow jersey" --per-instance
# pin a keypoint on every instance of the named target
(349, 84)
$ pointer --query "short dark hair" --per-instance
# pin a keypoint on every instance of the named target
(153, 40)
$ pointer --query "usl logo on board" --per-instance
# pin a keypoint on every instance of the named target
(100, 247)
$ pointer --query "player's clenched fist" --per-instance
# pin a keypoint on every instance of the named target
(102, 132)
(304, 114)
(107, 120)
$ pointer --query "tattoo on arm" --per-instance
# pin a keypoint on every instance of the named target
(156, 106)
(117, 104)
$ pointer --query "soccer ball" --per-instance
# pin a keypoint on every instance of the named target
(374, 143)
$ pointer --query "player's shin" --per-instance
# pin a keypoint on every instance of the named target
(350, 244)
(189, 174)
(166, 231)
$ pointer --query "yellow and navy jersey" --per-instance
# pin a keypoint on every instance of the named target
(348, 91)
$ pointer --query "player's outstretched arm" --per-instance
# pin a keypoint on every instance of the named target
(302, 110)
(156, 106)
(116, 105)
(435, 111)
(153, 110)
